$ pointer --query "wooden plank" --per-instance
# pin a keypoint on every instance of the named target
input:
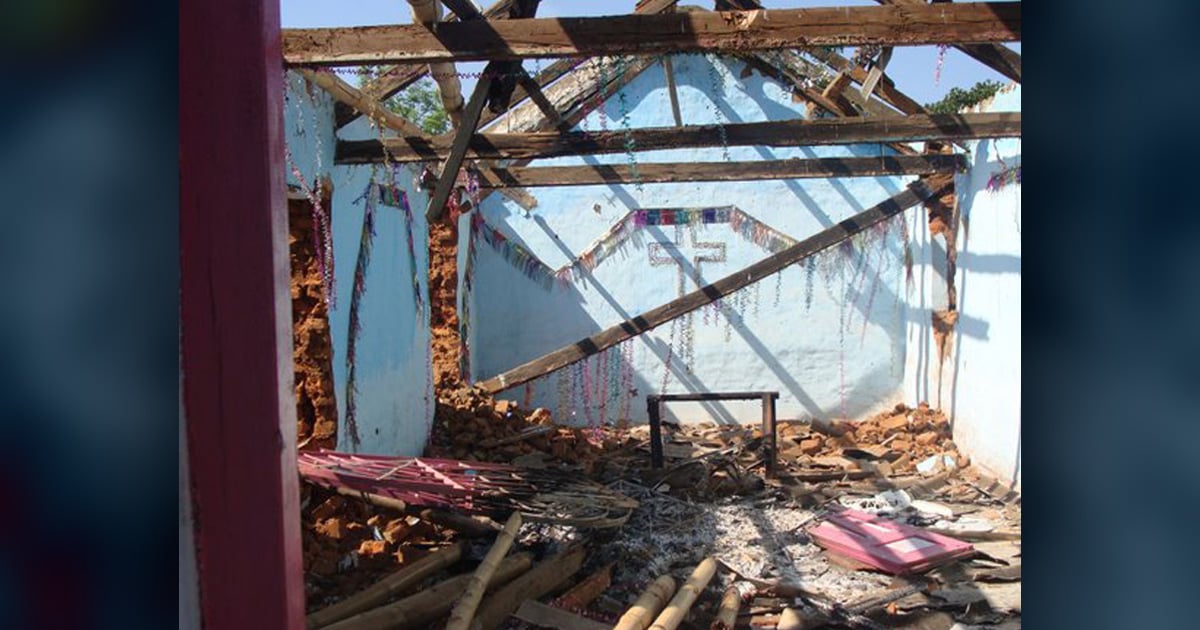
(458, 150)
(740, 31)
(787, 133)
(396, 78)
(540, 580)
(235, 345)
(543, 616)
(649, 173)
(669, 70)
(914, 194)
(885, 89)
(548, 75)
(1000, 58)
(345, 93)
(377, 594)
(464, 9)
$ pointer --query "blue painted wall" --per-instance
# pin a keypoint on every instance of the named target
(394, 395)
(830, 339)
(984, 363)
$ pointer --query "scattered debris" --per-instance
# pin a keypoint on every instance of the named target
(709, 505)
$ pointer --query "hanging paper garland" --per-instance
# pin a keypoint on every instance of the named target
(941, 60)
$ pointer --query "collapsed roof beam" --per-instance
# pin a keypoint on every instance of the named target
(735, 31)
(788, 133)
(650, 173)
(914, 194)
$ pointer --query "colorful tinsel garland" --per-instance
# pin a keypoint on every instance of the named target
(1004, 177)
(618, 235)
(390, 194)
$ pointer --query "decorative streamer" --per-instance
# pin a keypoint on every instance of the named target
(630, 143)
(365, 244)
(618, 235)
(941, 60)
(322, 234)
(1004, 177)
(392, 195)
(717, 81)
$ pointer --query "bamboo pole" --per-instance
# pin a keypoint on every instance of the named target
(379, 593)
(423, 608)
(731, 601)
(652, 600)
(539, 581)
(464, 609)
(673, 615)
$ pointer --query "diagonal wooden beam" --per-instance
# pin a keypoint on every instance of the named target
(787, 133)
(794, 168)
(914, 194)
(350, 96)
(395, 79)
(458, 150)
(900, 25)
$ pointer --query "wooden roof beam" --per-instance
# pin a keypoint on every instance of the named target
(652, 173)
(350, 96)
(788, 133)
(734, 31)
(1000, 58)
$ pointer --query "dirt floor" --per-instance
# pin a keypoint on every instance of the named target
(712, 499)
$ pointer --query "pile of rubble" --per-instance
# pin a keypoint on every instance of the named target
(349, 544)
(471, 425)
(711, 505)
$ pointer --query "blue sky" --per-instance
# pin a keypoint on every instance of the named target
(912, 67)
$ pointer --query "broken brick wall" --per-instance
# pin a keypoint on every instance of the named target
(443, 304)
(316, 405)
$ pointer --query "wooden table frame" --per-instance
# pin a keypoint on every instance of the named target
(654, 407)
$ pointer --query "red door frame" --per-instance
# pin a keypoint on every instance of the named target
(236, 316)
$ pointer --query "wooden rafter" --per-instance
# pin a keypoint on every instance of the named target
(1000, 58)
(777, 134)
(350, 96)
(914, 194)
(494, 88)
(794, 168)
(396, 78)
(898, 25)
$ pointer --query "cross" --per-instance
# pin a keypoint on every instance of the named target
(677, 254)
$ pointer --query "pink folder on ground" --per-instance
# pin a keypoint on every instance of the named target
(885, 544)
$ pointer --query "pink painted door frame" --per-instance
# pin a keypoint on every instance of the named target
(235, 317)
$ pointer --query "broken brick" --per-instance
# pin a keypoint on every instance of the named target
(894, 424)
(371, 548)
(810, 446)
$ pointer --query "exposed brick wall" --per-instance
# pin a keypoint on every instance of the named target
(316, 407)
(443, 304)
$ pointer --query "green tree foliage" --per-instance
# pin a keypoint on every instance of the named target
(956, 99)
(419, 103)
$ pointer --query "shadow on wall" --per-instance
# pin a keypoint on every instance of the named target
(556, 318)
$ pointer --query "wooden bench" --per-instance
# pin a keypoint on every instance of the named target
(654, 407)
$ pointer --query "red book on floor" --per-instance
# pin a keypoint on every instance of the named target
(885, 544)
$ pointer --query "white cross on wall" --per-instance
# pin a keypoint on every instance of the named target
(677, 254)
